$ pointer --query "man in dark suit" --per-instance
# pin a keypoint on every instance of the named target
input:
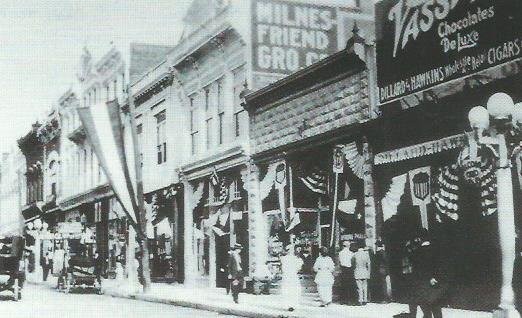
(47, 263)
(235, 271)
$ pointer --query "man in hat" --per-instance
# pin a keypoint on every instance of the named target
(235, 271)
(345, 261)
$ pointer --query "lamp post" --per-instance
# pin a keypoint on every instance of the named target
(505, 117)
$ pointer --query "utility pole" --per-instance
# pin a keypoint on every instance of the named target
(141, 217)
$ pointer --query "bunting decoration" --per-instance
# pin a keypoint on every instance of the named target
(316, 181)
(446, 199)
(104, 130)
(268, 182)
(294, 221)
(391, 200)
(355, 159)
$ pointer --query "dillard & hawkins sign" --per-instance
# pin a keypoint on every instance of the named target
(423, 43)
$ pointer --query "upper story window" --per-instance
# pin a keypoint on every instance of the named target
(161, 136)
(193, 125)
(240, 116)
(53, 176)
(139, 130)
(207, 98)
(221, 110)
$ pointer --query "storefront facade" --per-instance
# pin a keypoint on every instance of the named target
(424, 166)
(309, 154)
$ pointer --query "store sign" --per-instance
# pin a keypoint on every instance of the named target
(424, 43)
(424, 149)
(288, 36)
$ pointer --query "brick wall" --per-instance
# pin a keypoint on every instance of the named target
(317, 111)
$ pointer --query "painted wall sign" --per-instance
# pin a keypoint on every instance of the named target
(424, 43)
(288, 36)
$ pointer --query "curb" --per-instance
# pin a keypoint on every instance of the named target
(212, 308)
(187, 304)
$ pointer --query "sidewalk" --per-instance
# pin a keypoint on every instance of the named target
(260, 306)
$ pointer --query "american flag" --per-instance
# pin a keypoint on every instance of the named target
(223, 190)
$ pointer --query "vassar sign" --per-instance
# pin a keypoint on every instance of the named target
(288, 36)
(424, 43)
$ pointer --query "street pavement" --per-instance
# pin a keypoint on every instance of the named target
(42, 302)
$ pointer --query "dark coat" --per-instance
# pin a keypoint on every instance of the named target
(425, 267)
(234, 268)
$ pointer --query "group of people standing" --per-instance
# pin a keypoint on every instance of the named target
(355, 264)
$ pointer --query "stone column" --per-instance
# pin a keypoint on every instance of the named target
(370, 215)
(188, 252)
(258, 238)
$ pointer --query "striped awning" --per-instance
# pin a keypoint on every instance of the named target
(419, 150)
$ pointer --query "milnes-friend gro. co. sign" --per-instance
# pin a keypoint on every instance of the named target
(424, 43)
(288, 36)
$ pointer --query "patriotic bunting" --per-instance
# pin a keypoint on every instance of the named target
(316, 181)
(104, 129)
(446, 199)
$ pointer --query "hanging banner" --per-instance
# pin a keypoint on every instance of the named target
(447, 39)
(338, 159)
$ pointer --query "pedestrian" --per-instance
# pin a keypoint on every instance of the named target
(345, 262)
(324, 267)
(361, 272)
(429, 285)
(379, 274)
(291, 264)
(235, 272)
(225, 270)
(47, 263)
(98, 266)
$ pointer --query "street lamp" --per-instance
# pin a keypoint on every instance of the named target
(505, 118)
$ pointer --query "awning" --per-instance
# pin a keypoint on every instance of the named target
(419, 150)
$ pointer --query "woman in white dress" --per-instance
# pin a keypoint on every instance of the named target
(290, 284)
(324, 267)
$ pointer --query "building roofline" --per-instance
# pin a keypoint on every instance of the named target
(342, 62)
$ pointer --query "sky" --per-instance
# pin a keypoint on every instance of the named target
(41, 42)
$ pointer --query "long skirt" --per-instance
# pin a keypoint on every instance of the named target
(325, 293)
(291, 291)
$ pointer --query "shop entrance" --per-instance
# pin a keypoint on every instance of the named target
(222, 248)
(467, 247)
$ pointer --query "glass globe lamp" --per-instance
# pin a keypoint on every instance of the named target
(500, 106)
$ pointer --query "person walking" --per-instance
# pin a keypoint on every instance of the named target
(98, 266)
(235, 272)
(345, 262)
(429, 285)
(291, 264)
(324, 267)
(47, 263)
(362, 269)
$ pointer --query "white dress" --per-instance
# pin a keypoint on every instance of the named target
(290, 284)
(324, 267)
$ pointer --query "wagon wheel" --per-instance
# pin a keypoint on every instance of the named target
(16, 291)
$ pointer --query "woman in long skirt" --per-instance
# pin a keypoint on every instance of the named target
(290, 284)
(324, 267)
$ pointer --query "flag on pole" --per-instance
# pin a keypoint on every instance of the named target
(105, 132)
(214, 179)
